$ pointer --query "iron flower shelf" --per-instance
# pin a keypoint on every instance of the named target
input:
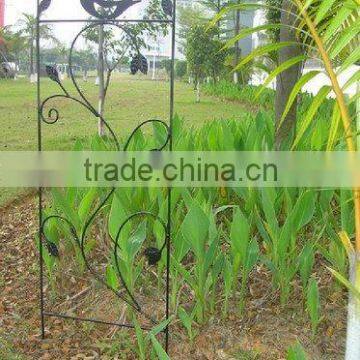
(105, 12)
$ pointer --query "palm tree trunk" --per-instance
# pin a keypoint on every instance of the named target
(358, 117)
(219, 23)
(237, 46)
(353, 325)
(286, 80)
(101, 127)
(31, 46)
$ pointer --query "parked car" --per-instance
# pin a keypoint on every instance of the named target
(8, 70)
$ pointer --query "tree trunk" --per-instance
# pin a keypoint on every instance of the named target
(353, 325)
(101, 126)
(237, 46)
(154, 68)
(286, 80)
(198, 92)
(31, 46)
(219, 23)
(358, 117)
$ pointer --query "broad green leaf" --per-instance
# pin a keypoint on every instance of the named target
(354, 79)
(353, 57)
(268, 197)
(284, 66)
(306, 6)
(239, 235)
(140, 339)
(296, 89)
(135, 241)
(299, 216)
(185, 318)
(181, 247)
(195, 228)
(336, 23)
(346, 283)
(323, 10)
(65, 207)
(117, 216)
(111, 277)
(71, 194)
(160, 134)
(304, 209)
(334, 127)
(264, 50)
(310, 113)
(344, 39)
(160, 352)
(306, 263)
(48, 259)
(231, 8)
(210, 254)
(248, 31)
(223, 208)
(51, 229)
(252, 256)
(161, 327)
(347, 211)
(184, 273)
(346, 243)
(86, 203)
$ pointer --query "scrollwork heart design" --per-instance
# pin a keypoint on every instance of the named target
(107, 9)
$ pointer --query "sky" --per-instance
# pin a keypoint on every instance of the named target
(59, 9)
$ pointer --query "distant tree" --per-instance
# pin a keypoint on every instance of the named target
(27, 29)
(83, 58)
(215, 6)
(166, 64)
(12, 45)
(86, 58)
(204, 55)
(285, 81)
(273, 16)
(113, 49)
(180, 68)
(188, 17)
(54, 55)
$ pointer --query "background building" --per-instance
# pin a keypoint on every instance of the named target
(248, 19)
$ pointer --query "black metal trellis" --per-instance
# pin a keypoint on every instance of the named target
(111, 10)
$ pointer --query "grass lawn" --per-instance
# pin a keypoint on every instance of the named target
(130, 101)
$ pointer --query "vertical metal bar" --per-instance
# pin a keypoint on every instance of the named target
(40, 192)
(169, 228)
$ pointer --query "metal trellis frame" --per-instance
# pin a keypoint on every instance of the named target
(113, 9)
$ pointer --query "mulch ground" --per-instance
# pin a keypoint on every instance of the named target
(264, 332)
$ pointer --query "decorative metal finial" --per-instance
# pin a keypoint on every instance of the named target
(167, 6)
(44, 5)
(107, 9)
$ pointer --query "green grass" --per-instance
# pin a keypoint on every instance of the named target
(130, 101)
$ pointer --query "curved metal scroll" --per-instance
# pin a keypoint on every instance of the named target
(107, 9)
